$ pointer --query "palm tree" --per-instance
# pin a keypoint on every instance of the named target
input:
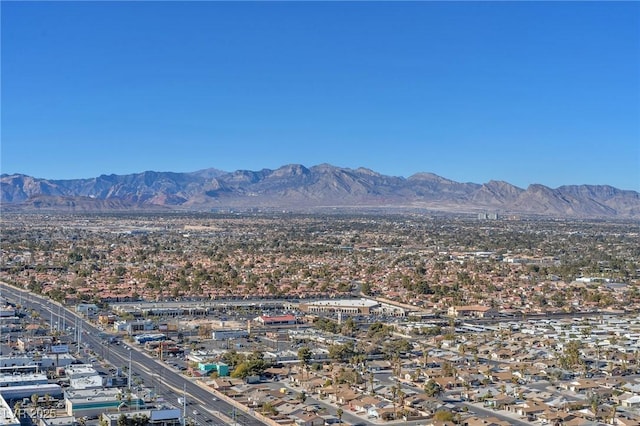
(595, 402)
(371, 382)
(401, 396)
(614, 409)
(425, 352)
(122, 420)
(462, 349)
(432, 388)
(17, 409)
(339, 413)
(395, 390)
(416, 374)
(398, 366)
(305, 355)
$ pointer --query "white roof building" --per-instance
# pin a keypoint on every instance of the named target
(7, 417)
(346, 306)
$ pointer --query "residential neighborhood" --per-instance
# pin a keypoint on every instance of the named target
(308, 320)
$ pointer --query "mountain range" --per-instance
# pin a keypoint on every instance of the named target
(294, 187)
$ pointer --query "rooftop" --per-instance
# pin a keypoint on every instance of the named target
(345, 303)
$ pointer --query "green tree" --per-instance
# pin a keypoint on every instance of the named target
(257, 364)
(241, 371)
(140, 420)
(349, 327)
(254, 365)
(269, 409)
(394, 348)
(122, 420)
(233, 358)
(341, 352)
(443, 416)
(432, 388)
(571, 356)
(378, 330)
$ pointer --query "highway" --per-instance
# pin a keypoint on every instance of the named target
(202, 407)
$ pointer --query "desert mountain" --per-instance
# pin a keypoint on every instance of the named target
(296, 187)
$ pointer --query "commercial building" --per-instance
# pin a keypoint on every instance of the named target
(209, 367)
(477, 311)
(19, 392)
(87, 309)
(488, 216)
(22, 379)
(7, 418)
(57, 421)
(229, 334)
(36, 363)
(164, 309)
(132, 327)
(345, 306)
(93, 402)
(144, 338)
(83, 376)
(160, 417)
(277, 320)
(7, 311)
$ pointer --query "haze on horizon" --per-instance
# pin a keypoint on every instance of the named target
(525, 92)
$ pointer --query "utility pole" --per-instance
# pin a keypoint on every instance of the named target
(129, 379)
(78, 333)
(184, 404)
(234, 416)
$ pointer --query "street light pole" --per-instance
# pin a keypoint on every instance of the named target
(78, 333)
(184, 404)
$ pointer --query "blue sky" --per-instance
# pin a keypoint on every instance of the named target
(527, 92)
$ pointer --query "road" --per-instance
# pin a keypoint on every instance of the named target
(201, 406)
(474, 409)
(484, 413)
